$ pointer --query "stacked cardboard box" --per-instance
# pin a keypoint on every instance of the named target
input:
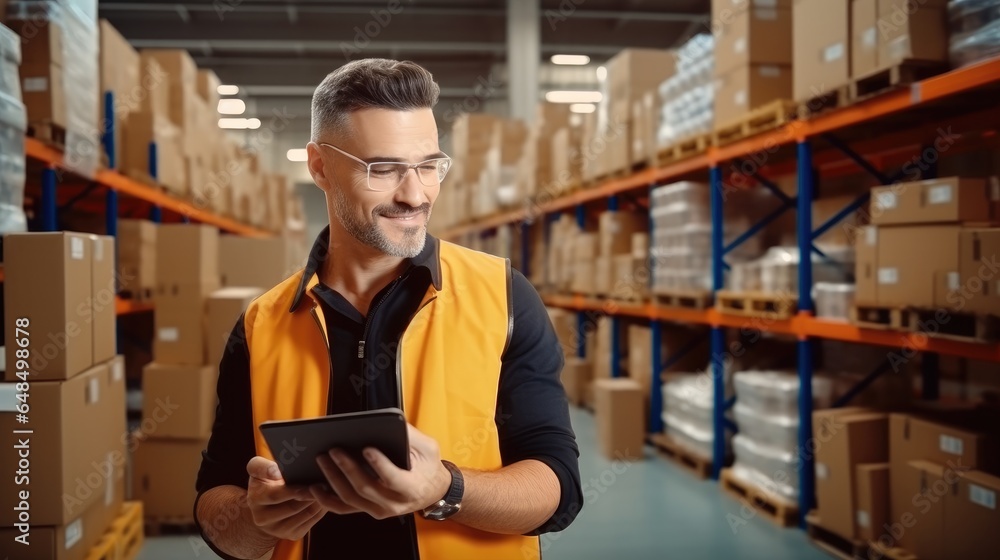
(618, 408)
(888, 33)
(923, 235)
(59, 296)
(632, 74)
(615, 232)
(822, 46)
(250, 261)
(120, 66)
(137, 258)
(566, 163)
(561, 254)
(497, 185)
(753, 55)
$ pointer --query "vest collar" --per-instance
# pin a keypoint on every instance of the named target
(429, 258)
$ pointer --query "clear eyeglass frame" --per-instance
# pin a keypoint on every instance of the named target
(385, 176)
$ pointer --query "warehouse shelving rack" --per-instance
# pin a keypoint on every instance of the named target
(114, 183)
(871, 135)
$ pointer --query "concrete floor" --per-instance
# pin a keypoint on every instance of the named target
(643, 509)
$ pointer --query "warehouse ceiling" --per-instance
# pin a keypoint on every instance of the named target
(278, 51)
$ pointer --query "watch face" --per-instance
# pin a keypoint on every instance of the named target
(442, 512)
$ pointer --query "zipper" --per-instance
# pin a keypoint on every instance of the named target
(399, 352)
(329, 362)
(371, 315)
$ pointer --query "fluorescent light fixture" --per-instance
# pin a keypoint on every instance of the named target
(227, 90)
(573, 96)
(233, 123)
(297, 154)
(582, 107)
(570, 59)
(602, 73)
(253, 124)
(232, 106)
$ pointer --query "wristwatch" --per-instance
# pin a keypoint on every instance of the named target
(452, 501)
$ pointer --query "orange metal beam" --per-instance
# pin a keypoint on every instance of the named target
(116, 181)
(126, 306)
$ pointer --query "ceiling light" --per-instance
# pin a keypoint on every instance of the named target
(227, 90)
(573, 96)
(232, 106)
(253, 124)
(602, 73)
(297, 154)
(234, 123)
(570, 59)
(583, 107)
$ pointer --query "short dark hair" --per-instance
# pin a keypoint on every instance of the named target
(371, 83)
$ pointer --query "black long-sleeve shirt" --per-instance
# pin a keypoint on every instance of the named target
(532, 414)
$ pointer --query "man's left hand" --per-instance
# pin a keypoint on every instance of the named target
(394, 491)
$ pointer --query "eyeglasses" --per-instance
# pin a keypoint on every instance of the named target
(384, 176)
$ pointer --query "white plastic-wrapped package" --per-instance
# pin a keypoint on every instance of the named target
(777, 392)
(975, 30)
(695, 438)
(773, 429)
(10, 59)
(688, 96)
(77, 21)
(771, 468)
(834, 299)
(687, 412)
(13, 125)
(778, 270)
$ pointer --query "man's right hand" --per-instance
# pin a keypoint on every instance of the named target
(278, 510)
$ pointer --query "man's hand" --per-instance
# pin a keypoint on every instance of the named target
(394, 491)
(278, 510)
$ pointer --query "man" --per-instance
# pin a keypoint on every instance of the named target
(385, 315)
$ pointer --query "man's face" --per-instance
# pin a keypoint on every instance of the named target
(394, 221)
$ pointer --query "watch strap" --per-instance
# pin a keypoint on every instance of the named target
(457, 489)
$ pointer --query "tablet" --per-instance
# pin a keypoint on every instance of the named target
(295, 444)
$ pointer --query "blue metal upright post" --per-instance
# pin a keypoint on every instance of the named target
(716, 199)
(155, 213)
(526, 249)
(616, 347)
(581, 318)
(108, 138)
(656, 398)
(48, 200)
(718, 346)
(111, 212)
(804, 220)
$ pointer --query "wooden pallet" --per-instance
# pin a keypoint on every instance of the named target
(124, 537)
(684, 149)
(688, 299)
(895, 553)
(877, 317)
(774, 508)
(756, 304)
(833, 99)
(700, 466)
(761, 119)
(156, 526)
(961, 326)
(832, 543)
(48, 132)
(141, 295)
(903, 74)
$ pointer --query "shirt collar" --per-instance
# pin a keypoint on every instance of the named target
(428, 258)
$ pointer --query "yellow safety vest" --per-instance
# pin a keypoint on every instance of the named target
(448, 366)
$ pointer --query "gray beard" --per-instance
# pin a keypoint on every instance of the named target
(373, 236)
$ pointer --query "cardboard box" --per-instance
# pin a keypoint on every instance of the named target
(44, 95)
(864, 37)
(137, 258)
(866, 265)
(927, 489)
(618, 406)
(187, 255)
(78, 437)
(48, 283)
(71, 541)
(576, 375)
(164, 472)
(871, 500)
(603, 271)
(759, 35)
(139, 130)
(822, 47)
(155, 83)
(208, 87)
(915, 439)
(102, 299)
(564, 324)
(915, 264)
(749, 87)
(120, 66)
(917, 31)
(723, 11)
(971, 515)
(947, 200)
(850, 439)
(979, 272)
(640, 356)
(41, 40)
(633, 72)
(644, 124)
(630, 277)
(583, 281)
(182, 75)
(179, 327)
(586, 246)
(179, 400)
(247, 261)
(601, 349)
(223, 308)
(616, 229)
